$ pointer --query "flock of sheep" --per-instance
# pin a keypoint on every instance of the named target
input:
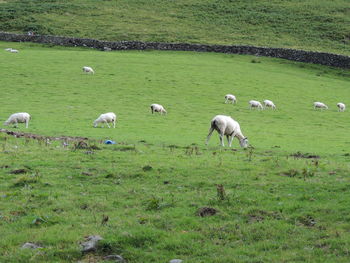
(224, 125)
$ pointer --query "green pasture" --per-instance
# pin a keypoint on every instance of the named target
(275, 208)
(49, 84)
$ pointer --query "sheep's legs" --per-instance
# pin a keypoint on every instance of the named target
(226, 100)
(209, 135)
(27, 123)
(113, 123)
(230, 139)
(107, 124)
(221, 136)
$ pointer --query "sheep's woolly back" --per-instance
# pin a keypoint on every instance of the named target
(18, 117)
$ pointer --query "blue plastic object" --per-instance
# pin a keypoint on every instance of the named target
(110, 142)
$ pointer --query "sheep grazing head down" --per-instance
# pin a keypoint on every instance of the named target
(244, 142)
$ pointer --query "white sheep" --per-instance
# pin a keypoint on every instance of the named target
(88, 70)
(320, 105)
(255, 104)
(225, 125)
(106, 118)
(14, 51)
(8, 49)
(20, 117)
(230, 97)
(269, 103)
(341, 106)
(158, 108)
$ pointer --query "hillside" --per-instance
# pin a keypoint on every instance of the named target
(284, 199)
(318, 25)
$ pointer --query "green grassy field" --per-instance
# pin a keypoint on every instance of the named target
(276, 208)
(317, 25)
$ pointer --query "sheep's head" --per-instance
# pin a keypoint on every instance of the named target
(244, 142)
(6, 123)
(95, 124)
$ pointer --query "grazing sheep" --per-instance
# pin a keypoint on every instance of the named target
(269, 103)
(225, 125)
(106, 118)
(230, 97)
(158, 108)
(88, 70)
(341, 106)
(255, 104)
(320, 105)
(8, 49)
(20, 117)
(14, 51)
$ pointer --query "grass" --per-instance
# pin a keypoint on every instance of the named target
(274, 207)
(317, 25)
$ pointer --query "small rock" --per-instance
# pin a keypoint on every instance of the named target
(31, 246)
(116, 258)
(91, 243)
(175, 261)
(38, 221)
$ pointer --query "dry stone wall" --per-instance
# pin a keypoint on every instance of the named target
(327, 59)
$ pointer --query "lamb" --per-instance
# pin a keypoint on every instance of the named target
(255, 104)
(269, 103)
(106, 118)
(20, 117)
(320, 105)
(225, 125)
(158, 108)
(230, 97)
(88, 70)
(341, 106)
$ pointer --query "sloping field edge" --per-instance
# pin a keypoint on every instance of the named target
(322, 58)
(42, 137)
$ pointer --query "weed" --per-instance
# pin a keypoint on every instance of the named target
(221, 194)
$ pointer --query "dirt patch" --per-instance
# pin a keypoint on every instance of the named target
(290, 173)
(125, 149)
(42, 137)
(307, 220)
(305, 155)
(147, 168)
(19, 171)
(206, 211)
(260, 215)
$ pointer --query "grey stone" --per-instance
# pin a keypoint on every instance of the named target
(175, 261)
(31, 245)
(116, 258)
(322, 58)
(90, 243)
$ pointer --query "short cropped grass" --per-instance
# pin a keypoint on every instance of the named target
(285, 199)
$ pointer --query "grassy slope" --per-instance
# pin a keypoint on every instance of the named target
(268, 217)
(318, 25)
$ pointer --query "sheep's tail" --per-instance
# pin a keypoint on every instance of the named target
(213, 124)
